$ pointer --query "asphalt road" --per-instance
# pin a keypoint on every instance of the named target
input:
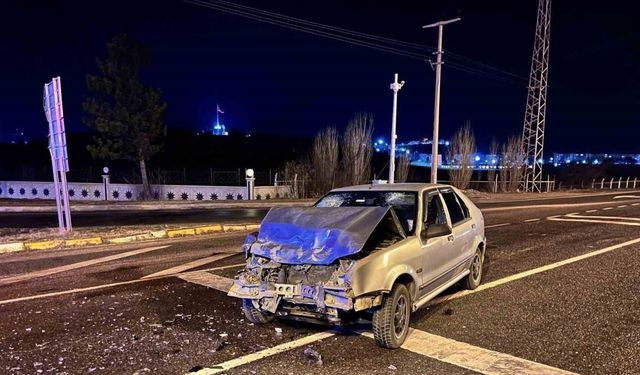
(181, 216)
(84, 219)
(83, 311)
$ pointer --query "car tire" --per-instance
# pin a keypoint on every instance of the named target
(391, 320)
(474, 278)
(254, 314)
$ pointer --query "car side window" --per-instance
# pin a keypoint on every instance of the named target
(465, 210)
(456, 212)
(434, 212)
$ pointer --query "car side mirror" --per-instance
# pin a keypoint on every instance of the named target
(435, 230)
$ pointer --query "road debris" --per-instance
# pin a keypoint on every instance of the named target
(312, 354)
(448, 311)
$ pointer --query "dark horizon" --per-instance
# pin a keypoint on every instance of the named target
(273, 80)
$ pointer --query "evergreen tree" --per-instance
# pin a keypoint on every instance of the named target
(128, 117)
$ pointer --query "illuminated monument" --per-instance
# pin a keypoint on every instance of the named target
(218, 128)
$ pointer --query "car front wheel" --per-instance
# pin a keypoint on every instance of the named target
(254, 314)
(391, 320)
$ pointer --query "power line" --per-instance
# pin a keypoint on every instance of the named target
(310, 30)
(336, 33)
(321, 25)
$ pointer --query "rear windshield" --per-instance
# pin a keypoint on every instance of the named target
(404, 203)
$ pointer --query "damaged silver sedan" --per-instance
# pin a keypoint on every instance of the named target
(377, 250)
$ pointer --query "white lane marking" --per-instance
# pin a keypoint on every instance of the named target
(104, 286)
(626, 197)
(225, 267)
(531, 272)
(605, 217)
(471, 357)
(78, 290)
(607, 208)
(595, 221)
(591, 211)
(566, 196)
(429, 345)
(532, 220)
(209, 280)
(190, 265)
(228, 365)
(496, 225)
(635, 204)
(622, 206)
(573, 213)
(68, 267)
(559, 205)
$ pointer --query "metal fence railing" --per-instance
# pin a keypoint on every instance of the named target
(613, 183)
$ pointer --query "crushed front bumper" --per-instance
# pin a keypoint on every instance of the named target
(265, 283)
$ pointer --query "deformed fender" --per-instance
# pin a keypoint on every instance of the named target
(374, 276)
(398, 271)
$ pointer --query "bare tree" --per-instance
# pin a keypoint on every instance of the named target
(491, 173)
(324, 160)
(459, 154)
(298, 171)
(402, 168)
(512, 164)
(357, 149)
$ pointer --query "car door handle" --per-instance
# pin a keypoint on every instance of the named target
(473, 226)
(450, 238)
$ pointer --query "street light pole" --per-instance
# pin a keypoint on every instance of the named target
(436, 106)
(395, 86)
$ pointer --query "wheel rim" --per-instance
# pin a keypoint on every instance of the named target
(400, 316)
(476, 267)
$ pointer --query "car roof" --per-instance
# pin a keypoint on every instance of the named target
(414, 186)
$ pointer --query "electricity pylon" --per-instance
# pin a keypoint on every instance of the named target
(535, 113)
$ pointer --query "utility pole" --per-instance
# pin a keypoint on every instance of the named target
(395, 86)
(436, 106)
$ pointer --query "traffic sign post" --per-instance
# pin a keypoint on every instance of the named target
(52, 102)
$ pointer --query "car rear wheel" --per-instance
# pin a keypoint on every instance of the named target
(254, 314)
(474, 278)
(391, 320)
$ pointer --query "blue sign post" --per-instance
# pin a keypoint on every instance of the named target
(52, 102)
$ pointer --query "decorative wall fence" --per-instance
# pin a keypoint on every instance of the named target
(85, 191)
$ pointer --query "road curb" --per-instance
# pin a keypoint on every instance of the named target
(12, 247)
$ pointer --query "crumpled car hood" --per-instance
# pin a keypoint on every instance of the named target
(317, 235)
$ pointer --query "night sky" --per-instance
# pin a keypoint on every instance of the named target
(270, 79)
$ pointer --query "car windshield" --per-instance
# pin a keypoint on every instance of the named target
(403, 203)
